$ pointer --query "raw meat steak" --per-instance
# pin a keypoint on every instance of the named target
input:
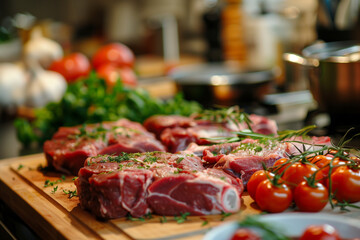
(179, 136)
(70, 146)
(198, 193)
(178, 139)
(244, 158)
(159, 123)
(163, 183)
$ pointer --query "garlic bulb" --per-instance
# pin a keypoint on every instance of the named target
(13, 81)
(44, 87)
(42, 50)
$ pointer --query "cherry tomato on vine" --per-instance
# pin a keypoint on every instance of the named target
(273, 198)
(72, 66)
(296, 173)
(323, 162)
(255, 179)
(345, 183)
(280, 165)
(245, 234)
(116, 54)
(112, 74)
(310, 198)
(320, 232)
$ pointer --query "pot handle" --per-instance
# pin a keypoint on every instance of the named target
(295, 58)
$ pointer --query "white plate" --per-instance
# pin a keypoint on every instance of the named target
(293, 225)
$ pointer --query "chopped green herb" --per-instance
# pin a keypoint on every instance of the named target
(48, 183)
(54, 190)
(179, 160)
(151, 159)
(163, 219)
(205, 222)
(70, 193)
(148, 216)
(20, 166)
(182, 218)
(129, 217)
(225, 215)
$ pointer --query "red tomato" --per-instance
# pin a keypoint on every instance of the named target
(297, 172)
(323, 162)
(280, 165)
(245, 234)
(112, 74)
(115, 53)
(346, 184)
(255, 179)
(310, 199)
(273, 198)
(72, 67)
(320, 232)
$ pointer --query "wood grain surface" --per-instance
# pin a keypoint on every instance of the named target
(53, 215)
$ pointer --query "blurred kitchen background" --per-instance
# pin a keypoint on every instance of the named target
(239, 40)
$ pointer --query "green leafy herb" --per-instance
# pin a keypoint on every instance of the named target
(205, 222)
(225, 215)
(70, 193)
(20, 166)
(90, 101)
(48, 183)
(54, 190)
(178, 161)
(163, 219)
(141, 219)
(182, 218)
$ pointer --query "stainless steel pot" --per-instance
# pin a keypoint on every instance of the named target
(334, 75)
(222, 84)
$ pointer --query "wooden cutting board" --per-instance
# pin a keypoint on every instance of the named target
(52, 214)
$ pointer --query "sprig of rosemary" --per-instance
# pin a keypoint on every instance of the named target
(226, 115)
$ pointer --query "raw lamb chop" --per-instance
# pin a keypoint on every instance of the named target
(70, 146)
(177, 133)
(242, 159)
(163, 183)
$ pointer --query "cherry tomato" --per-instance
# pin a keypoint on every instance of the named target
(72, 67)
(255, 179)
(280, 165)
(296, 173)
(323, 162)
(346, 184)
(112, 74)
(310, 199)
(320, 232)
(115, 53)
(273, 198)
(245, 234)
